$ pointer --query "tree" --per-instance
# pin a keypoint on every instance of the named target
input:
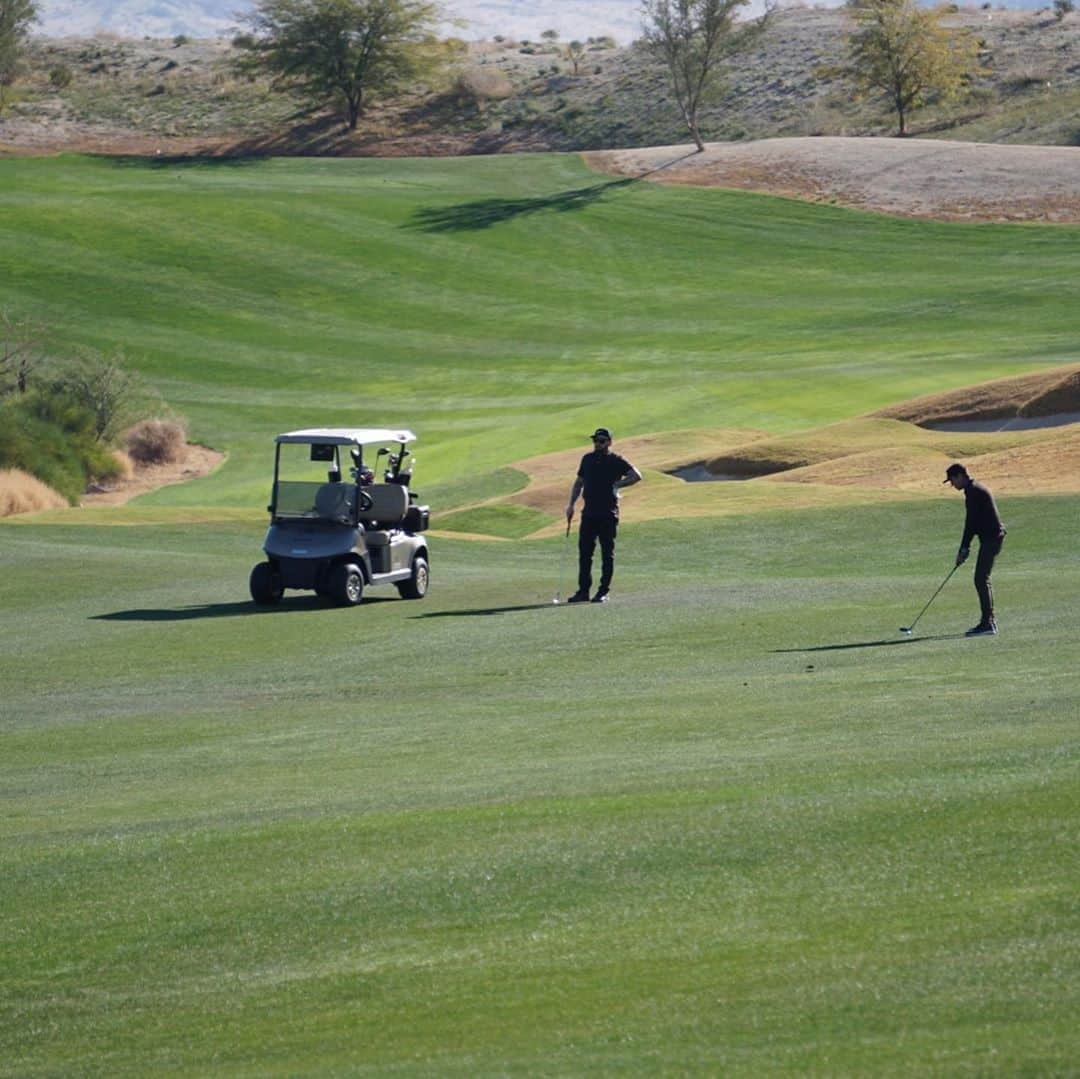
(693, 38)
(904, 52)
(15, 19)
(110, 394)
(344, 51)
(21, 343)
(575, 53)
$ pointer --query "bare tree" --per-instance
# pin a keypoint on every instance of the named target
(114, 395)
(693, 39)
(21, 343)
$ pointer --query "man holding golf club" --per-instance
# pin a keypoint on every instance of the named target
(600, 475)
(982, 520)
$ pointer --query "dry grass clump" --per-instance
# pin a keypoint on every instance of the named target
(480, 84)
(124, 464)
(156, 442)
(22, 493)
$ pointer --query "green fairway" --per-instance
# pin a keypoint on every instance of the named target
(732, 823)
(502, 306)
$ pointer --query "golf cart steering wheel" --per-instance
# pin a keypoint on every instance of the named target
(364, 502)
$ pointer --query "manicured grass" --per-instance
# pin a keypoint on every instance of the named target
(731, 823)
(505, 306)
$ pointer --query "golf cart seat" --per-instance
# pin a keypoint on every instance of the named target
(389, 504)
(334, 501)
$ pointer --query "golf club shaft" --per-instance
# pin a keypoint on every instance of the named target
(935, 595)
(562, 562)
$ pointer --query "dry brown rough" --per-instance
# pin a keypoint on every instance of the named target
(908, 177)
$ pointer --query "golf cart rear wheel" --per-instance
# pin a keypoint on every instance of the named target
(265, 584)
(346, 585)
(417, 585)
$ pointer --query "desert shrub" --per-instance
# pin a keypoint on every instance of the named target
(180, 39)
(478, 85)
(51, 436)
(22, 493)
(1063, 8)
(156, 441)
(60, 77)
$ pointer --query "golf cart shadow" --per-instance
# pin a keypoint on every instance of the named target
(873, 644)
(485, 610)
(225, 610)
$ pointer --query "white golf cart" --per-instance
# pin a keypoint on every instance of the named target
(337, 536)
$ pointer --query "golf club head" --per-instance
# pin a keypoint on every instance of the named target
(905, 631)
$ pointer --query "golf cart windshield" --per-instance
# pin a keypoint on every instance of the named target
(317, 501)
(327, 469)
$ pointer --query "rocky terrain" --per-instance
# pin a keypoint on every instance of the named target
(181, 96)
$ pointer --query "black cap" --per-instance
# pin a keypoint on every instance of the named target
(955, 469)
(601, 432)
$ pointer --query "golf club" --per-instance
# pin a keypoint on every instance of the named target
(908, 629)
(562, 564)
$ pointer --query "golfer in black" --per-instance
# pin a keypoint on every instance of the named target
(983, 521)
(600, 475)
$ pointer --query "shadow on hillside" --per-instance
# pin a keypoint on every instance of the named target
(486, 610)
(483, 213)
(239, 608)
(873, 644)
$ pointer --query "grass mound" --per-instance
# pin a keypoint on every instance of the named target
(1041, 393)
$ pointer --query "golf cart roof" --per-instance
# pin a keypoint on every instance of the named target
(347, 436)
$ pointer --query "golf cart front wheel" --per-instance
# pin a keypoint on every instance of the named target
(265, 584)
(417, 585)
(346, 585)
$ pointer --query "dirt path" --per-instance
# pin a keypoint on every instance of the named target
(199, 461)
(909, 177)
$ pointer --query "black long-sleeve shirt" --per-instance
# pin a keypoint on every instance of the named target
(982, 518)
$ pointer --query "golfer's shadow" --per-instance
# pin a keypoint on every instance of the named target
(872, 644)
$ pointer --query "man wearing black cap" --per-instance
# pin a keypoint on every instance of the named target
(600, 475)
(982, 520)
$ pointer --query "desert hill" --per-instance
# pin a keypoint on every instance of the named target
(116, 95)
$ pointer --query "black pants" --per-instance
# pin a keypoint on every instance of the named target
(984, 564)
(593, 529)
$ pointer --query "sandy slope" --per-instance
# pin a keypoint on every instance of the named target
(911, 177)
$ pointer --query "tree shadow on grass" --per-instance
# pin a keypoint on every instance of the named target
(174, 161)
(872, 644)
(483, 213)
(227, 610)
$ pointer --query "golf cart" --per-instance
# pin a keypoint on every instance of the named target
(338, 536)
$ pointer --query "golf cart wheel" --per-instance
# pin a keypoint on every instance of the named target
(417, 585)
(265, 584)
(346, 585)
